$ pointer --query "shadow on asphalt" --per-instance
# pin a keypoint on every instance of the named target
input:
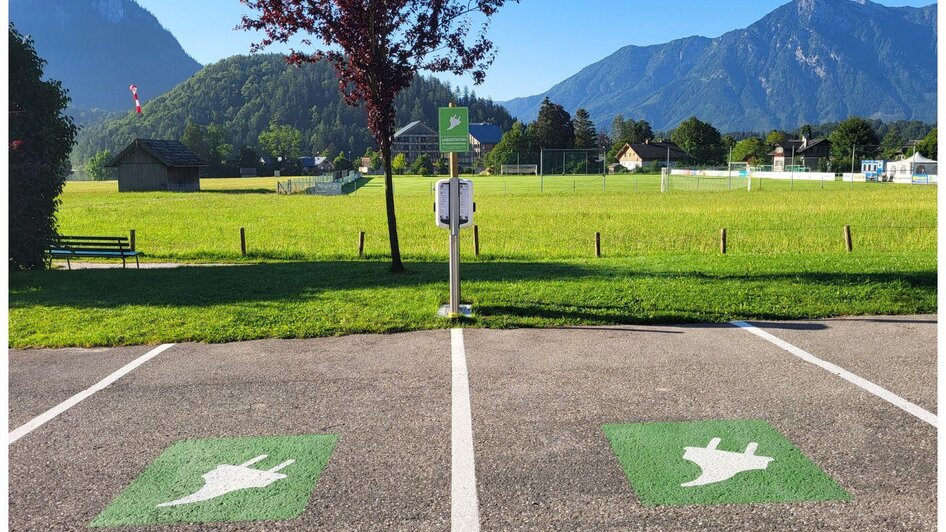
(791, 326)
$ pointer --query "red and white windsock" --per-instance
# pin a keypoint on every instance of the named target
(134, 92)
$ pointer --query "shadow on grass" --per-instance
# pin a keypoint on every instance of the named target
(239, 191)
(514, 292)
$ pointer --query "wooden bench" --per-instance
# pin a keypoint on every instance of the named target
(77, 247)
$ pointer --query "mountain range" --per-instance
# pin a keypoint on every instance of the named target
(807, 62)
(98, 48)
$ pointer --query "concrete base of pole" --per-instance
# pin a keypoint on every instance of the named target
(466, 311)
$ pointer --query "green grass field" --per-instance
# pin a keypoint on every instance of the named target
(302, 276)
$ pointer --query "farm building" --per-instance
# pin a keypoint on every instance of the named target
(157, 165)
(318, 165)
(804, 152)
(634, 156)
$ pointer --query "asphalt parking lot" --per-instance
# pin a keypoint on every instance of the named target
(569, 427)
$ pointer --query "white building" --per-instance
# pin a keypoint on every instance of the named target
(903, 170)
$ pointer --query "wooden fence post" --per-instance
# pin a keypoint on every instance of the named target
(361, 243)
(243, 241)
(476, 240)
(722, 240)
(847, 238)
(597, 244)
(131, 239)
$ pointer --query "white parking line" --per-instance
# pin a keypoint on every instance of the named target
(464, 506)
(50, 414)
(862, 383)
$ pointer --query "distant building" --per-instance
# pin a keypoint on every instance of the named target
(483, 138)
(319, 165)
(804, 152)
(415, 139)
(156, 165)
(634, 156)
(917, 165)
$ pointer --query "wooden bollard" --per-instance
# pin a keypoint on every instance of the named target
(722, 240)
(131, 239)
(476, 240)
(243, 241)
(361, 243)
(847, 238)
(597, 244)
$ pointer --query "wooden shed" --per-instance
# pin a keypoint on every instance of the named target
(157, 165)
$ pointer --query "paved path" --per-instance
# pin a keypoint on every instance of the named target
(538, 400)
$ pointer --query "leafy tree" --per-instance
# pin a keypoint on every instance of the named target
(806, 130)
(775, 137)
(422, 165)
(282, 141)
(752, 150)
(96, 168)
(927, 146)
(377, 48)
(194, 138)
(441, 166)
(728, 141)
(513, 148)
(248, 157)
(219, 148)
(399, 164)
(602, 141)
(553, 127)
(855, 134)
(585, 133)
(40, 139)
(341, 163)
(700, 140)
(892, 142)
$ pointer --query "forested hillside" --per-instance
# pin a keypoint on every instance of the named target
(244, 95)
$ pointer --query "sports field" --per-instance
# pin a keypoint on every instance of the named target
(660, 261)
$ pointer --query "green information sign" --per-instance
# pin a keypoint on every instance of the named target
(224, 479)
(454, 129)
(717, 462)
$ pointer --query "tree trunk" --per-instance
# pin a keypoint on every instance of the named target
(396, 265)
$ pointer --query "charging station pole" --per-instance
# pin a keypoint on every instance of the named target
(454, 234)
(454, 205)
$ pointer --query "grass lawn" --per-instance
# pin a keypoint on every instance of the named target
(302, 277)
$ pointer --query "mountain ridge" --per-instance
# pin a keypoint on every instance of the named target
(808, 61)
(97, 48)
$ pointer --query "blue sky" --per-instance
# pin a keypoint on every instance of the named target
(541, 42)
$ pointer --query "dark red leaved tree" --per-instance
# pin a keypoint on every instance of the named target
(376, 47)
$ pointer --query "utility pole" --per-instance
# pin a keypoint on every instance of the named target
(792, 186)
(852, 164)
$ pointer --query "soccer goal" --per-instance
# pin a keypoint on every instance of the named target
(519, 169)
(554, 161)
(681, 180)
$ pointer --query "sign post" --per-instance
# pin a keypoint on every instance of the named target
(454, 207)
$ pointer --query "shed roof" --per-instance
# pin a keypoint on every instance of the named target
(170, 153)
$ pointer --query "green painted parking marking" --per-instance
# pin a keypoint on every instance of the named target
(717, 462)
(224, 479)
